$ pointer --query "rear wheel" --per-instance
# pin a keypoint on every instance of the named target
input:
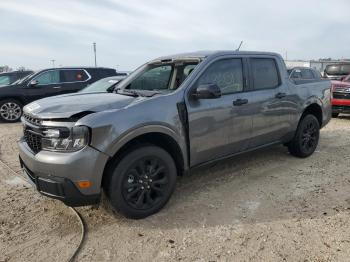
(142, 182)
(306, 138)
(335, 115)
(10, 110)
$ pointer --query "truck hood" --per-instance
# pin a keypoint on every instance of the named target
(66, 106)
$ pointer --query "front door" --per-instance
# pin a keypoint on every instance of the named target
(221, 126)
(48, 83)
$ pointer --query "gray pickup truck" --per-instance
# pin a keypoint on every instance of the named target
(170, 115)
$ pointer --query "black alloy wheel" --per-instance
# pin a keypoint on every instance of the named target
(142, 181)
(306, 138)
(146, 183)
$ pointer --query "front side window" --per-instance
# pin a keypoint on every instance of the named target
(4, 80)
(155, 78)
(48, 77)
(74, 76)
(264, 72)
(226, 74)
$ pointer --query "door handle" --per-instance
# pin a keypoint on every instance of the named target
(240, 102)
(280, 95)
(56, 87)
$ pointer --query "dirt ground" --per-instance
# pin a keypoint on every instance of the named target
(262, 206)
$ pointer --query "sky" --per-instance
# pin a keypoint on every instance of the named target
(128, 33)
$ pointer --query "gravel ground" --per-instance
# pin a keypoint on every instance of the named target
(262, 206)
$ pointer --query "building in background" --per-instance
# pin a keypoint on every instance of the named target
(297, 63)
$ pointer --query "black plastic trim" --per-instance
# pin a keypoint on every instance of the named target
(62, 189)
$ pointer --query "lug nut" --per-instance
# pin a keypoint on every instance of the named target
(142, 188)
(148, 187)
(150, 180)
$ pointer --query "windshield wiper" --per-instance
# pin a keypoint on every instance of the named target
(127, 92)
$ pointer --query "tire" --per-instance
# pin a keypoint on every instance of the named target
(142, 181)
(10, 110)
(306, 137)
(335, 115)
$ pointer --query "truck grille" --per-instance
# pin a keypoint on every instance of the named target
(341, 95)
(32, 120)
(33, 140)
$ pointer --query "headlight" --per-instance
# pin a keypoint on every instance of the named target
(64, 139)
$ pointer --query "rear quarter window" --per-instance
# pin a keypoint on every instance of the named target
(74, 75)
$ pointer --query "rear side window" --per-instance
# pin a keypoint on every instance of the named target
(296, 74)
(307, 74)
(74, 75)
(264, 73)
(226, 74)
(48, 77)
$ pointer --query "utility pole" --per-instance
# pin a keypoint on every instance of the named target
(286, 55)
(94, 45)
(53, 63)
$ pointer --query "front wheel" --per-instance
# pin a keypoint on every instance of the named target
(306, 137)
(10, 110)
(142, 182)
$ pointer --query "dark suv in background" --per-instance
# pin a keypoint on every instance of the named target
(10, 77)
(45, 83)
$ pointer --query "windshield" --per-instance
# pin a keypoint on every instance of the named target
(347, 79)
(160, 77)
(338, 69)
(102, 85)
(20, 81)
(4, 80)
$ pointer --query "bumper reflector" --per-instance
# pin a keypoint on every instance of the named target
(84, 184)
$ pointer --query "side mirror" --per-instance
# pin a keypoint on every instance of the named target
(207, 91)
(33, 83)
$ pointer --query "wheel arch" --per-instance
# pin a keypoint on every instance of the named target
(17, 98)
(314, 108)
(153, 137)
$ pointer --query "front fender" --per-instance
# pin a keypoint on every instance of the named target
(135, 132)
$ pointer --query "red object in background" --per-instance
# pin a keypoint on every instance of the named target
(341, 95)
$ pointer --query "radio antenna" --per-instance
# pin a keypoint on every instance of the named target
(239, 46)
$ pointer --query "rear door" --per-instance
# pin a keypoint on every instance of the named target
(219, 127)
(265, 100)
(48, 84)
(74, 80)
